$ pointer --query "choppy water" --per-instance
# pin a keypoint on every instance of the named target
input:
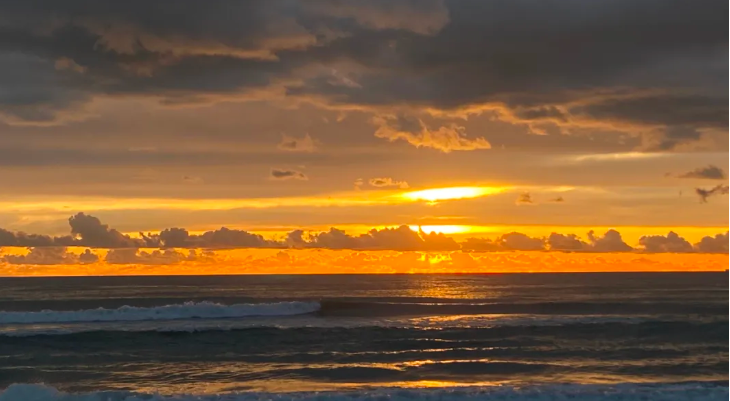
(517, 336)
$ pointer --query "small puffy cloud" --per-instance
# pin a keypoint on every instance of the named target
(716, 244)
(719, 189)
(446, 138)
(669, 243)
(293, 144)
(524, 199)
(387, 182)
(280, 174)
(611, 241)
(710, 172)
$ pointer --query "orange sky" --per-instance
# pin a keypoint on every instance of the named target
(322, 261)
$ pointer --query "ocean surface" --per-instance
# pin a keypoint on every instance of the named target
(627, 336)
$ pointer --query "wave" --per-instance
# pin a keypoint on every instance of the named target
(626, 392)
(187, 310)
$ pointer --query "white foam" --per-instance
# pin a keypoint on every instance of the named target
(188, 310)
(623, 392)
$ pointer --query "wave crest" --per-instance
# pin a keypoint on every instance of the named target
(187, 310)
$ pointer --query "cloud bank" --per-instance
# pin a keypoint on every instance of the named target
(89, 231)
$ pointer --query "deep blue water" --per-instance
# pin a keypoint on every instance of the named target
(655, 335)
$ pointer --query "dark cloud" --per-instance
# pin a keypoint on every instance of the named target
(279, 174)
(91, 232)
(558, 199)
(125, 250)
(710, 172)
(566, 242)
(400, 238)
(652, 64)
(719, 189)
(670, 243)
(716, 244)
(611, 241)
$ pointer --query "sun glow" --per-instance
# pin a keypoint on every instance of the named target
(443, 229)
(439, 194)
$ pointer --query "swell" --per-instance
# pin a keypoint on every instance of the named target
(187, 310)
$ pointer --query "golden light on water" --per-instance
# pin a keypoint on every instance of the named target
(439, 194)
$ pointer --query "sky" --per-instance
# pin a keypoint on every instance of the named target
(474, 119)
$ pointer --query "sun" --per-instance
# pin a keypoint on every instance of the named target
(439, 194)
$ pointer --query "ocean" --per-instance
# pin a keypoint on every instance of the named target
(624, 336)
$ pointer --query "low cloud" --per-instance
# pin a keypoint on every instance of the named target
(710, 172)
(278, 174)
(125, 249)
(716, 244)
(51, 256)
(611, 241)
(720, 189)
(293, 144)
(559, 199)
(670, 243)
(387, 182)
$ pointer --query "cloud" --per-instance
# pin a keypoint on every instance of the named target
(670, 243)
(125, 249)
(400, 238)
(156, 257)
(651, 69)
(611, 241)
(719, 189)
(711, 172)
(92, 233)
(566, 242)
(280, 174)
(716, 244)
(292, 144)
(558, 199)
(51, 256)
(524, 199)
(447, 138)
(387, 182)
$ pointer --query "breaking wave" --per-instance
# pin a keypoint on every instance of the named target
(187, 310)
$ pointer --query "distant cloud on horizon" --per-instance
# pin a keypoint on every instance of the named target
(88, 231)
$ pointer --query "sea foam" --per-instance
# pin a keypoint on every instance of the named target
(187, 310)
(623, 392)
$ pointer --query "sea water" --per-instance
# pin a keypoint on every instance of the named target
(624, 336)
